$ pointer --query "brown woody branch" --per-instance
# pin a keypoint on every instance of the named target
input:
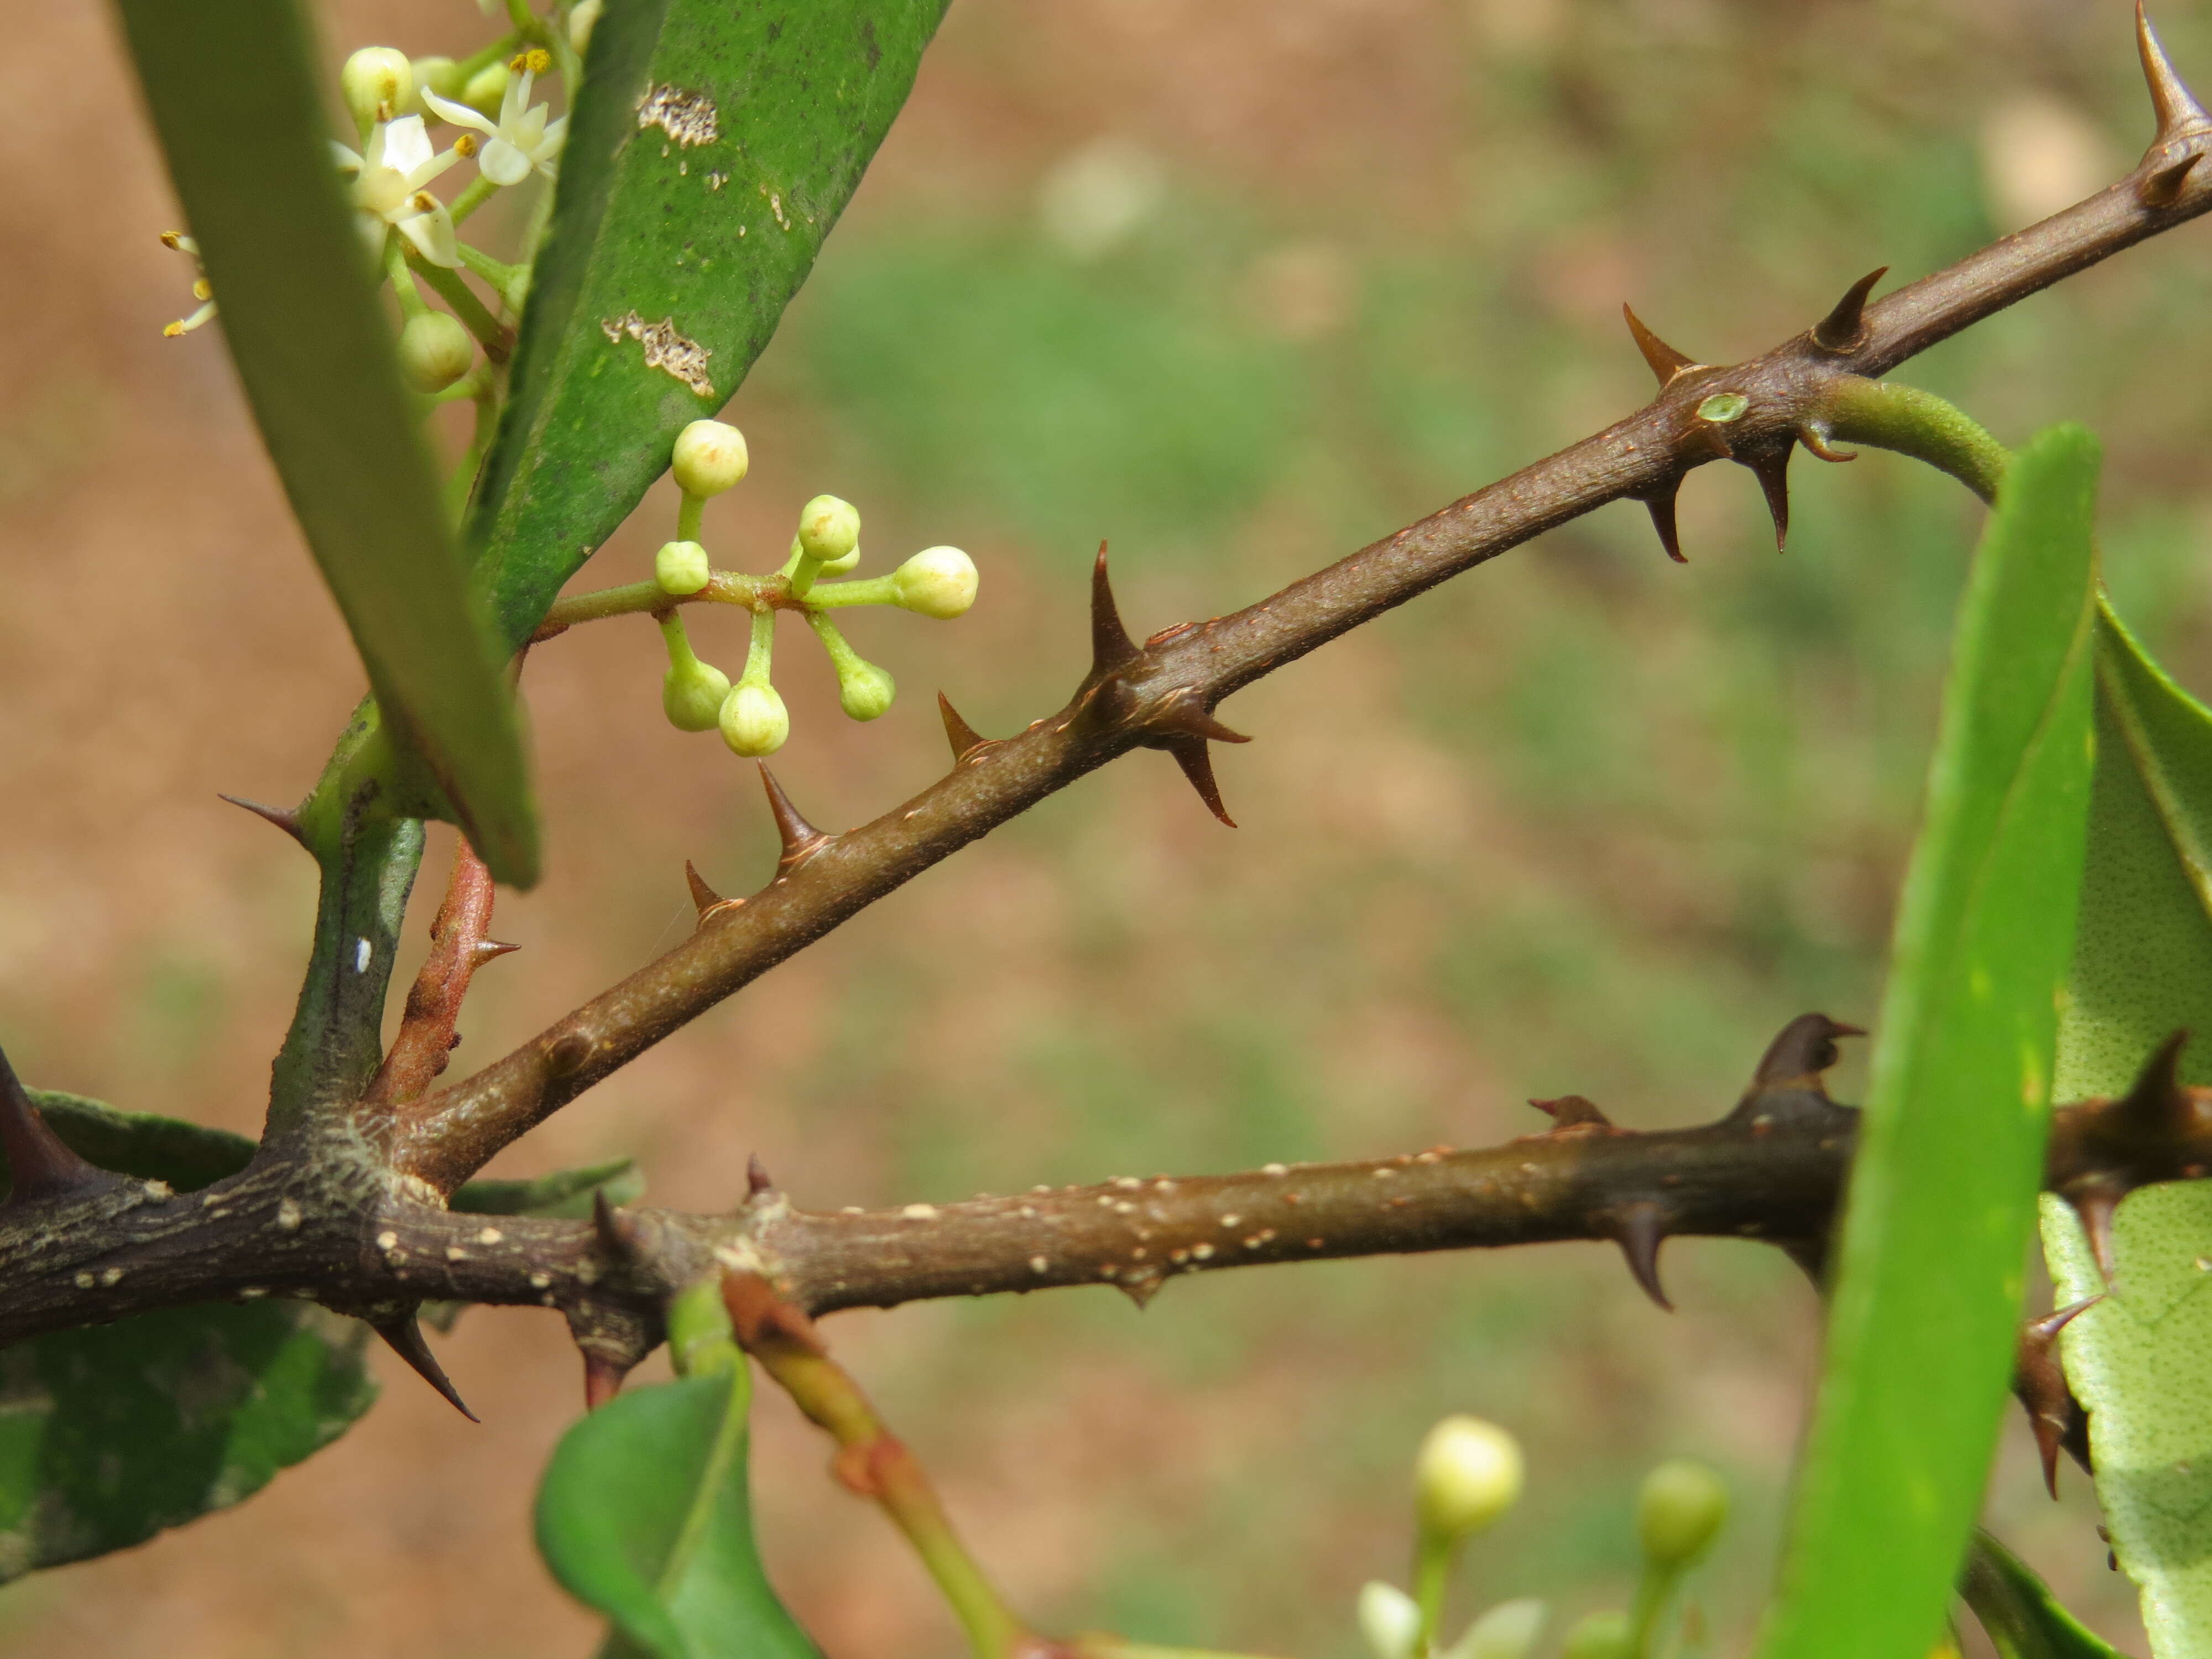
(1161, 694)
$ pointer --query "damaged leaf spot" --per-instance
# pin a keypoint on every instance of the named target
(688, 118)
(667, 348)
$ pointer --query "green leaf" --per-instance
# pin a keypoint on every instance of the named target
(2143, 956)
(233, 89)
(712, 145)
(1928, 1289)
(2141, 1361)
(2023, 1619)
(645, 1515)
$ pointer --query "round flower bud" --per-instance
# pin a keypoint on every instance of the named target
(1600, 1636)
(484, 91)
(436, 351)
(829, 529)
(379, 83)
(754, 720)
(1390, 1620)
(1467, 1474)
(864, 690)
(441, 76)
(1508, 1630)
(1678, 1512)
(583, 18)
(693, 694)
(938, 582)
(710, 457)
(680, 568)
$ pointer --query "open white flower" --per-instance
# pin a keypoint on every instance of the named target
(522, 138)
(388, 188)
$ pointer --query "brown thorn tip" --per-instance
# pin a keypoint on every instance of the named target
(798, 837)
(2163, 188)
(1663, 520)
(1187, 714)
(964, 739)
(2177, 109)
(41, 1164)
(1814, 437)
(1843, 329)
(1197, 762)
(2043, 1331)
(2158, 1107)
(491, 949)
(288, 821)
(1666, 361)
(1110, 644)
(603, 1378)
(1804, 1048)
(617, 1234)
(756, 1177)
(703, 897)
(405, 1338)
(1772, 470)
(1138, 1290)
(1568, 1110)
(1640, 1231)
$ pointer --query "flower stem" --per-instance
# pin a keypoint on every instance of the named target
(760, 649)
(688, 517)
(512, 282)
(1432, 1562)
(485, 57)
(869, 590)
(411, 303)
(724, 587)
(478, 191)
(497, 340)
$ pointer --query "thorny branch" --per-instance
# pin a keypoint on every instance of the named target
(348, 1208)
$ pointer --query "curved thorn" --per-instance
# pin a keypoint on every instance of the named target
(1772, 470)
(2053, 1414)
(799, 837)
(2158, 1108)
(1640, 1231)
(703, 897)
(1110, 644)
(618, 1233)
(405, 1338)
(2177, 109)
(757, 1180)
(1814, 437)
(1197, 762)
(1666, 362)
(964, 739)
(283, 819)
(1662, 508)
(603, 1378)
(1569, 1111)
(2163, 188)
(1843, 329)
(2042, 1333)
(40, 1164)
(1800, 1051)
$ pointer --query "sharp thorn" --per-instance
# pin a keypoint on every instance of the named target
(800, 839)
(964, 739)
(703, 897)
(284, 819)
(1110, 644)
(603, 1378)
(405, 1338)
(618, 1233)
(1843, 329)
(1666, 361)
(1197, 762)
(2040, 1383)
(1188, 715)
(1663, 520)
(2158, 1108)
(756, 1177)
(491, 949)
(41, 1164)
(2163, 188)
(2042, 1333)
(1816, 438)
(1800, 1051)
(2177, 109)
(2095, 1206)
(1640, 1231)
(1569, 1111)
(1772, 470)
(1138, 1290)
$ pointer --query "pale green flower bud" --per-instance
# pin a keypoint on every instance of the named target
(486, 88)
(864, 690)
(938, 582)
(1390, 1620)
(680, 568)
(1508, 1630)
(693, 694)
(710, 457)
(829, 567)
(1678, 1512)
(441, 76)
(379, 83)
(1600, 1636)
(1469, 1473)
(583, 18)
(829, 529)
(754, 720)
(436, 351)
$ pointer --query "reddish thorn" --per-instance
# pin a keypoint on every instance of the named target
(1197, 762)
(1640, 1230)
(1110, 645)
(286, 820)
(703, 896)
(1569, 1111)
(2177, 109)
(1666, 361)
(41, 1164)
(2044, 1331)
(1772, 470)
(1843, 329)
(964, 739)
(1814, 437)
(1187, 714)
(1663, 520)
(756, 1177)
(603, 1378)
(800, 839)
(405, 1338)
(491, 949)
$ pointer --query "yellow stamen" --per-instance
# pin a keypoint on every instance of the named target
(465, 145)
(202, 291)
(519, 62)
(170, 239)
(538, 60)
(171, 330)
(424, 201)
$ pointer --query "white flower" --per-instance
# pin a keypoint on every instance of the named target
(522, 138)
(388, 189)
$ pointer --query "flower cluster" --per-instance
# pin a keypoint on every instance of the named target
(709, 457)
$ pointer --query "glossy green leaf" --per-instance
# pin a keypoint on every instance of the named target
(2022, 1618)
(2142, 958)
(645, 1515)
(713, 144)
(232, 88)
(2141, 1360)
(1927, 1286)
(110, 1434)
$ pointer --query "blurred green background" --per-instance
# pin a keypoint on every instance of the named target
(1240, 285)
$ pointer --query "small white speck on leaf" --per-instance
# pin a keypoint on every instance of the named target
(362, 951)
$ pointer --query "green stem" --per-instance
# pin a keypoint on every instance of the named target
(447, 285)
(680, 654)
(726, 587)
(462, 482)
(1652, 1592)
(688, 517)
(513, 282)
(478, 191)
(1917, 423)
(485, 57)
(760, 650)
(411, 303)
(1432, 1562)
(868, 590)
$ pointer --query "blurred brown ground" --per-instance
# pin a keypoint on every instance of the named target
(1419, 926)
